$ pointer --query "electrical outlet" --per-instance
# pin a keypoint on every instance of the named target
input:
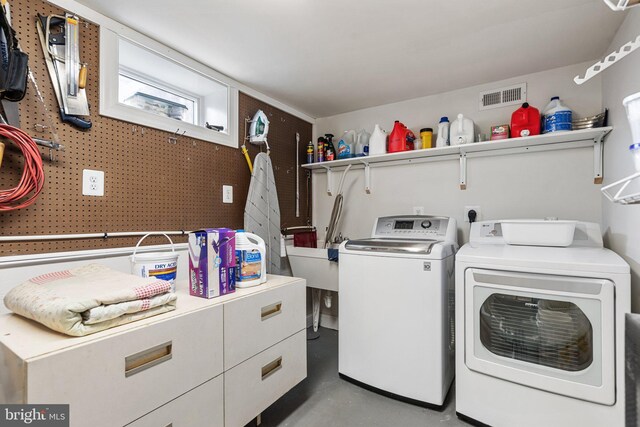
(418, 210)
(92, 183)
(471, 208)
(227, 194)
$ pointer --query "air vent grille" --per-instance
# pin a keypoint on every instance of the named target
(503, 97)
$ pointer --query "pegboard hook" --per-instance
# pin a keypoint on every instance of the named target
(174, 139)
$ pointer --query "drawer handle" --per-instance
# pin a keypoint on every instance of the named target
(271, 310)
(147, 359)
(271, 368)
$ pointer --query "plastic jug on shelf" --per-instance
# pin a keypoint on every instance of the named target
(461, 131)
(443, 132)
(525, 121)
(346, 145)
(362, 143)
(401, 138)
(377, 141)
(556, 116)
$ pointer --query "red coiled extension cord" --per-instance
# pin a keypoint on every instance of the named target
(32, 179)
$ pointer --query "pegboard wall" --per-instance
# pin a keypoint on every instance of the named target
(150, 184)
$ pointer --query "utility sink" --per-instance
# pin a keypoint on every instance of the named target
(313, 265)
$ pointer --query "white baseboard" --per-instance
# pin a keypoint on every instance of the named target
(326, 321)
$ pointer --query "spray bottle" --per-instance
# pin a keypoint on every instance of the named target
(331, 150)
(310, 150)
(321, 144)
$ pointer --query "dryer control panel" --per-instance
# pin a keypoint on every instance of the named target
(490, 233)
(415, 227)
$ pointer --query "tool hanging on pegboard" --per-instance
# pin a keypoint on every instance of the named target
(59, 39)
(14, 63)
(14, 73)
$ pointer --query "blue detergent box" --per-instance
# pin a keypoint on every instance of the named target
(212, 262)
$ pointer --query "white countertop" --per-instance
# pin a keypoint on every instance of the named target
(29, 339)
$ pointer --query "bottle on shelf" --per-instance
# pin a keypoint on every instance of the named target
(443, 132)
(556, 116)
(321, 146)
(330, 152)
(377, 141)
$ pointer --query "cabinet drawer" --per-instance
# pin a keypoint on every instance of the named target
(255, 323)
(201, 406)
(115, 380)
(252, 386)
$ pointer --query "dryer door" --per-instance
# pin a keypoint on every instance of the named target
(554, 333)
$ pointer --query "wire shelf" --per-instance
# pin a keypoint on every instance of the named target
(621, 186)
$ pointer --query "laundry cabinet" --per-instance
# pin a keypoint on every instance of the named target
(209, 362)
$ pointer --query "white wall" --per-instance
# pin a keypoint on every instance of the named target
(621, 223)
(558, 183)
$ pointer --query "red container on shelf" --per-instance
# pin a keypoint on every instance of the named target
(525, 121)
(400, 138)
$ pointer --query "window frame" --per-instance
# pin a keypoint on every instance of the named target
(110, 105)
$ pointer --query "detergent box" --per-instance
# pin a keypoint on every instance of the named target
(212, 262)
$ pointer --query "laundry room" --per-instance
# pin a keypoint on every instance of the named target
(319, 213)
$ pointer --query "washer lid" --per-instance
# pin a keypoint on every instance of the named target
(572, 258)
(421, 247)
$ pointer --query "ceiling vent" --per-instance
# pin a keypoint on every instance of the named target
(511, 95)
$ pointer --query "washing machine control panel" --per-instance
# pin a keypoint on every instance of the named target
(411, 227)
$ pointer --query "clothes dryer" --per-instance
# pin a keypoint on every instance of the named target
(540, 330)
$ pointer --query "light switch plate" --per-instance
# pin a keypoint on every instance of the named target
(92, 183)
(227, 194)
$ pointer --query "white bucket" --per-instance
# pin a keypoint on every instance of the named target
(159, 265)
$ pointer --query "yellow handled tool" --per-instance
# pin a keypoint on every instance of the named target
(82, 78)
(1, 152)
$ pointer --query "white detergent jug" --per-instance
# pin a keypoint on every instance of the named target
(362, 144)
(251, 267)
(377, 141)
(461, 131)
(443, 132)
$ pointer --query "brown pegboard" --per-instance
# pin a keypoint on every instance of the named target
(282, 141)
(149, 183)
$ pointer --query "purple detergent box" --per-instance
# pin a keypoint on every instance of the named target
(212, 262)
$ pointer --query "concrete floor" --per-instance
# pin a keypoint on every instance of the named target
(323, 399)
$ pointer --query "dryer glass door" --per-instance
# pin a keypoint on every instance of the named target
(555, 333)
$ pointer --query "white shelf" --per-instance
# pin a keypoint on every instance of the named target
(547, 142)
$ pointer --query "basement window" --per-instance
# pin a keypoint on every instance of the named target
(146, 83)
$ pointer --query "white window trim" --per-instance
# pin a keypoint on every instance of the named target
(111, 107)
(198, 101)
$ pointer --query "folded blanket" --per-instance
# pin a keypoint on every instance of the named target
(89, 299)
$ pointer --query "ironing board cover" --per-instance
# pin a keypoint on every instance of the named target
(262, 212)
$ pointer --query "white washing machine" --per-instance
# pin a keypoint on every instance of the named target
(540, 331)
(396, 308)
